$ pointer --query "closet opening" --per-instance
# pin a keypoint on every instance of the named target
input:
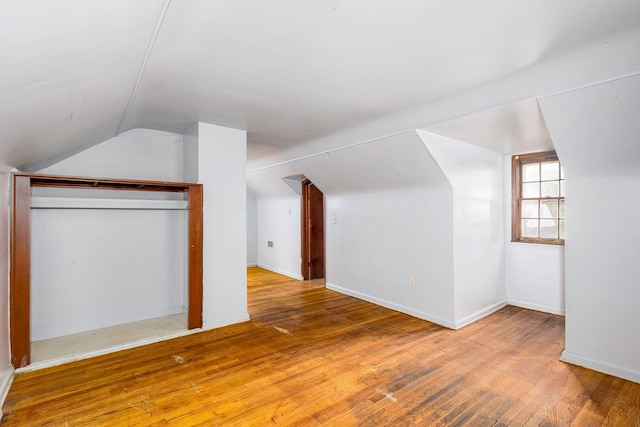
(175, 200)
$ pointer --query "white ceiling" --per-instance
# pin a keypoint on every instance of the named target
(74, 73)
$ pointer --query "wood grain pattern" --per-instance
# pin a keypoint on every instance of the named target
(195, 257)
(20, 272)
(311, 356)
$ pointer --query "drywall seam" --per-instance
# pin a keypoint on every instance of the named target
(397, 307)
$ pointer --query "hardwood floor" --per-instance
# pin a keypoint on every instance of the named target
(311, 356)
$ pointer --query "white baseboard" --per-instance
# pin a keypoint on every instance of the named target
(536, 307)
(225, 321)
(283, 272)
(5, 385)
(252, 265)
(600, 366)
(393, 306)
(480, 314)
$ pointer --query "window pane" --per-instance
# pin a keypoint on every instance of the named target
(529, 209)
(549, 228)
(531, 172)
(550, 189)
(530, 190)
(539, 191)
(530, 228)
(549, 171)
(549, 209)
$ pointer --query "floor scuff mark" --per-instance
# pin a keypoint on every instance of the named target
(284, 331)
(389, 396)
(145, 411)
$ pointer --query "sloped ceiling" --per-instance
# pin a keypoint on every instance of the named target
(77, 72)
(517, 127)
(390, 163)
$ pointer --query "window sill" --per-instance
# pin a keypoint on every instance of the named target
(540, 241)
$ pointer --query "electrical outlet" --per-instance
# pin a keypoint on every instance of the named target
(269, 244)
(412, 282)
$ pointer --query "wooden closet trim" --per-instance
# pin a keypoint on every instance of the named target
(20, 266)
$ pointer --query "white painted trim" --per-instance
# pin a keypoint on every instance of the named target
(393, 306)
(588, 85)
(600, 366)
(9, 375)
(253, 264)
(145, 60)
(226, 321)
(536, 307)
(54, 332)
(332, 150)
(283, 272)
(93, 353)
(94, 203)
(480, 314)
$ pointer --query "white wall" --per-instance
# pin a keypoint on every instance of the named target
(222, 156)
(603, 210)
(93, 268)
(475, 175)
(393, 221)
(534, 272)
(123, 265)
(6, 370)
(279, 222)
(252, 230)
(382, 239)
(136, 154)
(535, 276)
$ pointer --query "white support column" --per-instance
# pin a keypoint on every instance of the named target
(221, 168)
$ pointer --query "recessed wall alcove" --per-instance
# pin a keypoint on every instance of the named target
(21, 251)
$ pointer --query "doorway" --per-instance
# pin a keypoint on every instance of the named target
(312, 212)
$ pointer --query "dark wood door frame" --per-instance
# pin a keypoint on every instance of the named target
(312, 232)
(20, 266)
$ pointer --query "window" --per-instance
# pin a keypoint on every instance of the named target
(538, 199)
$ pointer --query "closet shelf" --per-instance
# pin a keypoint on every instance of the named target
(96, 203)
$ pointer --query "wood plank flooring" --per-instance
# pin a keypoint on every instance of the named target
(314, 357)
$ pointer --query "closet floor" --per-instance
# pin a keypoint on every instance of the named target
(100, 339)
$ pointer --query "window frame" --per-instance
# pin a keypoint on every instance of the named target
(517, 161)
